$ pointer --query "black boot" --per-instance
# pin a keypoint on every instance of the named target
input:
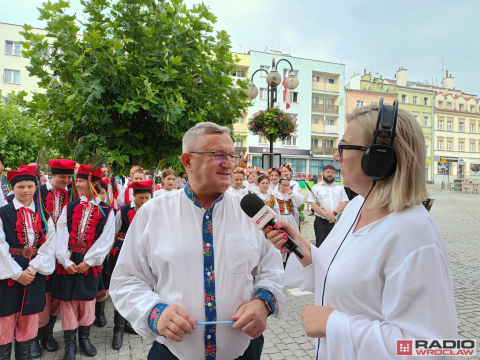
(46, 336)
(5, 351)
(35, 349)
(70, 344)
(22, 350)
(129, 328)
(118, 330)
(100, 319)
(84, 341)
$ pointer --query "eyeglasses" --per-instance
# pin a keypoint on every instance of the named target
(219, 156)
(349, 147)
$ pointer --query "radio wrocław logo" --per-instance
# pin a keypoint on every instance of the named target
(436, 347)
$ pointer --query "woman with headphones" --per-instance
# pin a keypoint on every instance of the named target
(383, 273)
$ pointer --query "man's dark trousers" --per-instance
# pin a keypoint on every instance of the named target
(253, 352)
(322, 228)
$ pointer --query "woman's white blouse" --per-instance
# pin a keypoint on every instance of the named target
(390, 280)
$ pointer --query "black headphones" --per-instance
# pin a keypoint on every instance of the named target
(380, 160)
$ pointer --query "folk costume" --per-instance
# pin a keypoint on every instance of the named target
(288, 204)
(210, 268)
(160, 192)
(85, 233)
(123, 219)
(237, 192)
(270, 201)
(27, 241)
(126, 196)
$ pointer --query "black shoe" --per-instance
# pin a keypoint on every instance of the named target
(5, 351)
(84, 341)
(22, 350)
(129, 328)
(100, 319)
(46, 336)
(70, 344)
(35, 349)
(118, 330)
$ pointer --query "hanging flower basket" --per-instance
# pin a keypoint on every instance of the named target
(273, 121)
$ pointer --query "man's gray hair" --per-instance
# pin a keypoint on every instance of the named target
(194, 138)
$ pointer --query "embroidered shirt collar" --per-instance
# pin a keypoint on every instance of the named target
(93, 201)
(19, 205)
(189, 193)
(133, 205)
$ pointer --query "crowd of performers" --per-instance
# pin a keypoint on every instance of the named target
(59, 245)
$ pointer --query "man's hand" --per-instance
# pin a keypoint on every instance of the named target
(314, 319)
(71, 269)
(26, 277)
(82, 267)
(330, 217)
(251, 318)
(175, 321)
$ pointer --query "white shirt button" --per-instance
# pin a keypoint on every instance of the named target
(209, 336)
(209, 273)
(209, 304)
(208, 217)
(208, 244)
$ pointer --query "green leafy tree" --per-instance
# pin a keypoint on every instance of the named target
(21, 137)
(130, 78)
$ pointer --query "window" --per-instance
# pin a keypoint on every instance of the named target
(293, 97)
(316, 78)
(263, 73)
(299, 165)
(314, 142)
(331, 81)
(404, 99)
(286, 72)
(472, 128)
(449, 105)
(315, 121)
(315, 100)
(415, 115)
(360, 103)
(472, 108)
(449, 125)
(263, 94)
(460, 146)
(425, 101)
(238, 142)
(415, 100)
(12, 76)
(5, 100)
(291, 141)
(460, 127)
(257, 161)
(427, 150)
(449, 145)
(460, 107)
(240, 120)
(472, 147)
(239, 73)
(440, 124)
(440, 104)
(13, 48)
(262, 139)
(425, 120)
(328, 143)
(329, 122)
(440, 144)
(294, 116)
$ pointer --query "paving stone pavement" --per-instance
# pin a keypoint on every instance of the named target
(458, 216)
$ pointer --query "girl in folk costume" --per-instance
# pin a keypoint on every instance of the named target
(237, 187)
(142, 192)
(287, 172)
(55, 196)
(253, 180)
(85, 235)
(104, 191)
(247, 174)
(265, 194)
(288, 201)
(168, 177)
(274, 174)
(27, 255)
(126, 196)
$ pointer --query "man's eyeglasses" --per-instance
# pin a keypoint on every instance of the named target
(219, 156)
(341, 147)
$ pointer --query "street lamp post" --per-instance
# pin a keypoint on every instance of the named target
(273, 80)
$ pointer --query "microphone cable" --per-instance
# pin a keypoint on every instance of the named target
(348, 232)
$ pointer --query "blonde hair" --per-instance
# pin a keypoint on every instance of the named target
(406, 187)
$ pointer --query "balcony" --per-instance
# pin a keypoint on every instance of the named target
(321, 86)
(321, 150)
(322, 108)
(240, 150)
(324, 129)
(239, 128)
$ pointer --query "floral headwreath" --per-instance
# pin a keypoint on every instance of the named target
(274, 169)
(288, 166)
(257, 170)
(240, 170)
(283, 178)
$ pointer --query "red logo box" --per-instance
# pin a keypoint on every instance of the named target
(404, 347)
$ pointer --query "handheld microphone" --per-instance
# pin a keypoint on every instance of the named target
(262, 216)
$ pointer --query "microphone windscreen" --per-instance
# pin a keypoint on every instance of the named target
(251, 204)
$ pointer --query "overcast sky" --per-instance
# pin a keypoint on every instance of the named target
(379, 35)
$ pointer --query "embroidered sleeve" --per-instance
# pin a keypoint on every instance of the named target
(268, 296)
(154, 316)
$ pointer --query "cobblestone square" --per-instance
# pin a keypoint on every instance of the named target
(458, 216)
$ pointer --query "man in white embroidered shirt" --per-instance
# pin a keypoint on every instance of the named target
(333, 200)
(194, 256)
